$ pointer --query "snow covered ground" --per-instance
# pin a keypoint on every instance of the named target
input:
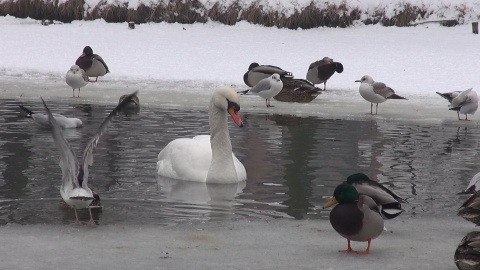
(172, 64)
(180, 65)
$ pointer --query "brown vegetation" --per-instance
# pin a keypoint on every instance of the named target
(191, 11)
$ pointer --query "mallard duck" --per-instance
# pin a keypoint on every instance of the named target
(92, 64)
(297, 90)
(258, 72)
(320, 71)
(74, 189)
(388, 202)
(467, 255)
(266, 88)
(470, 209)
(76, 78)
(464, 102)
(355, 217)
(62, 121)
(375, 92)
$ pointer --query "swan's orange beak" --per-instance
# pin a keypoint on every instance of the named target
(235, 116)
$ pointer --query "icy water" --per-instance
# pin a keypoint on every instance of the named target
(293, 164)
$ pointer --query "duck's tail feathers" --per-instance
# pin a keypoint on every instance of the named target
(395, 96)
(391, 210)
(244, 92)
(286, 75)
(29, 113)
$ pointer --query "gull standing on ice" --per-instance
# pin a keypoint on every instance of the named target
(464, 102)
(375, 92)
(258, 72)
(62, 121)
(266, 88)
(76, 78)
(93, 64)
(74, 189)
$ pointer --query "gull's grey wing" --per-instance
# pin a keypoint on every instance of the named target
(99, 58)
(87, 159)
(382, 89)
(84, 74)
(68, 160)
(261, 86)
(461, 99)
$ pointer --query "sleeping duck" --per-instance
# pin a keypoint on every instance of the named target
(388, 202)
(355, 217)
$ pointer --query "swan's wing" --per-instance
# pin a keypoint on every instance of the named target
(87, 159)
(68, 161)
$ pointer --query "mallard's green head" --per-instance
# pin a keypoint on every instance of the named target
(88, 51)
(344, 193)
(357, 177)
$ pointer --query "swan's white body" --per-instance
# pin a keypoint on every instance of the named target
(207, 158)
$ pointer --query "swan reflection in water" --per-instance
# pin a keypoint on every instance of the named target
(216, 195)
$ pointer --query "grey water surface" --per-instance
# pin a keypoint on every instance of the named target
(293, 164)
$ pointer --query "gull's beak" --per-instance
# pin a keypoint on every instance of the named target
(235, 116)
(333, 201)
(358, 81)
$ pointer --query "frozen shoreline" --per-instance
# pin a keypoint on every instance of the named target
(409, 243)
(343, 104)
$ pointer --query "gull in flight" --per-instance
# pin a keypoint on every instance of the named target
(74, 189)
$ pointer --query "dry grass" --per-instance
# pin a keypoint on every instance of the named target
(191, 11)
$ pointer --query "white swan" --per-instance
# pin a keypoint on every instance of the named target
(207, 158)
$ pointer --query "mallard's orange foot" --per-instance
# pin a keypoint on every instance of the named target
(349, 250)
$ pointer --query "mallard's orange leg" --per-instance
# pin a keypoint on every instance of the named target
(349, 249)
(367, 251)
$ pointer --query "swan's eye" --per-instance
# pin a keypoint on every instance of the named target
(234, 105)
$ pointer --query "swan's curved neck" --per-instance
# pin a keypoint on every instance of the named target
(222, 168)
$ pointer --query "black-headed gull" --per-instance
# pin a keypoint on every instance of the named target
(258, 72)
(76, 78)
(266, 88)
(320, 71)
(62, 121)
(464, 102)
(375, 92)
(93, 64)
(74, 189)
